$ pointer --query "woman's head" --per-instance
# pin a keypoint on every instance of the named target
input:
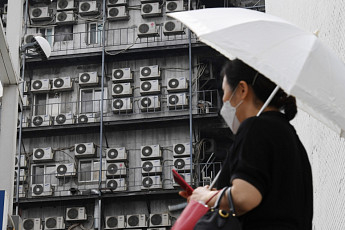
(237, 72)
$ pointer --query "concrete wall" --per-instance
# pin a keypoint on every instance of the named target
(325, 148)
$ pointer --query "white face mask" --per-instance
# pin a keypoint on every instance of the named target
(228, 113)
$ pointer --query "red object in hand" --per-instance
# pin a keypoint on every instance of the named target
(183, 184)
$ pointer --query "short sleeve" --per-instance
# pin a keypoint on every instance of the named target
(254, 158)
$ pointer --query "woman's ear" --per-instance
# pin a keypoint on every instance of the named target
(243, 89)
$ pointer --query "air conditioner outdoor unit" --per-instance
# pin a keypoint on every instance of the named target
(151, 182)
(62, 83)
(137, 221)
(23, 162)
(150, 103)
(116, 154)
(43, 154)
(150, 87)
(173, 27)
(181, 150)
(65, 17)
(64, 119)
(77, 213)
(160, 220)
(86, 118)
(40, 86)
(122, 105)
(25, 122)
(26, 100)
(118, 13)
(65, 5)
(151, 152)
(65, 170)
(182, 164)
(32, 224)
(150, 72)
(115, 222)
(41, 190)
(186, 177)
(88, 8)
(88, 79)
(151, 10)
(151, 167)
(39, 14)
(41, 120)
(21, 191)
(117, 184)
(177, 84)
(116, 2)
(122, 89)
(29, 38)
(22, 176)
(116, 169)
(148, 29)
(85, 150)
(174, 6)
(122, 75)
(56, 222)
(177, 101)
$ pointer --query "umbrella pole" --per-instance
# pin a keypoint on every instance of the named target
(269, 99)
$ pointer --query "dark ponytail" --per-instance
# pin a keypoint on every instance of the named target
(236, 71)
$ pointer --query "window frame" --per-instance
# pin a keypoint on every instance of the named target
(94, 173)
(94, 101)
(48, 106)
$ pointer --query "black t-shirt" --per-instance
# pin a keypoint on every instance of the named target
(268, 154)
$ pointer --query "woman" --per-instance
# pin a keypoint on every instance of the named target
(267, 167)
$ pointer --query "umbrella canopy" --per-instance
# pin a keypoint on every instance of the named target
(294, 59)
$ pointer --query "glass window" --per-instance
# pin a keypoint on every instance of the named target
(85, 171)
(63, 33)
(86, 101)
(95, 33)
(38, 174)
(47, 104)
(48, 33)
(91, 100)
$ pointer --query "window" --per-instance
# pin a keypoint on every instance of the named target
(90, 100)
(42, 174)
(48, 103)
(94, 33)
(48, 33)
(63, 33)
(89, 170)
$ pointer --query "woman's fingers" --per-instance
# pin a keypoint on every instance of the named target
(184, 194)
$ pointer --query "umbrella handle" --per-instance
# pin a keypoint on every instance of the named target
(269, 99)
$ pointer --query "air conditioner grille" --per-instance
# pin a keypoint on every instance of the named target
(112, 154)
(146, 102)
(147, 166)
(147, 8)
(133, 221)
(85, 77)
(146, 86)
(29, 224)
(112, 222)
(36, 12)
(146, 71)
(59, 82)
(51, 223)
(81, 148)
(171, 6)
(38, 120)
(118, 89)
(112, 169)
(37, 84)
(113, 12)
(72, 213)
(156, 219)
(62, 16)
(173, 83)
(83, 119)
(179, 164)
(29, 39)
(144, 28)
(39, 153)
(63, 4)
(147, 182)
(118, 104)
(169, 26)
(147, 151)
(85, 6)
(112, 184)
(173, 99)
(118, 74)
(61, 169)
(38, 189)
(179, 149)
(61, 119)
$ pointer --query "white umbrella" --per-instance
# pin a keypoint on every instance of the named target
(294, 59)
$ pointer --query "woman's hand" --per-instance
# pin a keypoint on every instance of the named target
(199, 194)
